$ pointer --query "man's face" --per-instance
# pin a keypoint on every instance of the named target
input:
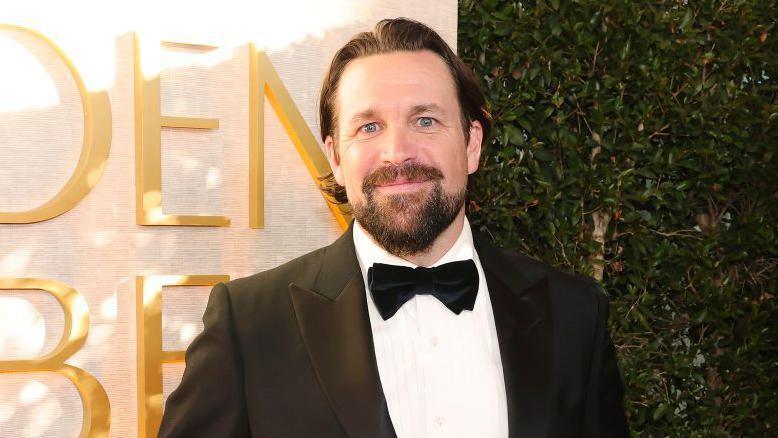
(400, 149)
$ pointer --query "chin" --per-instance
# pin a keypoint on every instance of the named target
(408, 223)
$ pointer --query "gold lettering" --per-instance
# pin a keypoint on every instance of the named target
(264, 80)
(94, 151)
(148, 143)
(96, 419)
(151, 356)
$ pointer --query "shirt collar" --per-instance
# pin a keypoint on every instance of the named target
(369, 252)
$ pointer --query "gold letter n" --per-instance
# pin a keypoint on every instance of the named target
(264, 80)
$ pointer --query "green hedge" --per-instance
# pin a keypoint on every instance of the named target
(636, 142)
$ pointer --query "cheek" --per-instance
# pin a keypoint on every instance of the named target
(454, 163)
(354, 171)
(358, 161)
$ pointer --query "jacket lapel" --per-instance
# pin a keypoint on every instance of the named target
(333, 320)
(332, 317)
(522, 313)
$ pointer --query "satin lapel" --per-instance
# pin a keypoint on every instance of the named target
(333, 320)
(522, 313)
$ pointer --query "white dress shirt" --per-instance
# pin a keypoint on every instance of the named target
(441, 373)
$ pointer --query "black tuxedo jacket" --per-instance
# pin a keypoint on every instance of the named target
(289, 353)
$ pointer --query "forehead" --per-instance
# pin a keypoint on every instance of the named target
(394, 82)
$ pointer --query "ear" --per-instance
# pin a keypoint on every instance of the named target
(334, 158)
(474, 146)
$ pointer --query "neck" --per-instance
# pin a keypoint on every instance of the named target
(441, 245)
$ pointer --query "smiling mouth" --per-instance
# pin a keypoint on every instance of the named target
(402, 187)
(406, 178)
(404, 182)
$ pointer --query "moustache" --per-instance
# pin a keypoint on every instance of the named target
(413, 172)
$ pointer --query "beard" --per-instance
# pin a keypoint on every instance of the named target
(407, 223)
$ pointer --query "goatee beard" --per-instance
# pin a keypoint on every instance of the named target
(407, 223)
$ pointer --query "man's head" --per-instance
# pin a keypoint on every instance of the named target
(403, 120)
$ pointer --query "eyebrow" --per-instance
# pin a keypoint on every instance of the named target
(361, 116)
(426, 108)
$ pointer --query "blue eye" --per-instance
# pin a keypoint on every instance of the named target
(369, 128)
(425, 122)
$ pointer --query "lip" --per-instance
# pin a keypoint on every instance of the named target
(402, 185)
(401, 181)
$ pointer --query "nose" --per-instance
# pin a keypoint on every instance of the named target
(398, 146)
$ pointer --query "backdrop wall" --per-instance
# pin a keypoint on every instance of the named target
(98, 248)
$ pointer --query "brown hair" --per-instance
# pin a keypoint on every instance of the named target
(395, 35)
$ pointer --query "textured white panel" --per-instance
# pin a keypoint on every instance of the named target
(98, 249)
(182, 307)
(39, 146)
(39, 405)
(31, 324)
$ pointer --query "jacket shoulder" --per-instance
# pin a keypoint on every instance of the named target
(560, 281)
(301, 270)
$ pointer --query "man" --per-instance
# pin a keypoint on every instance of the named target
(351, 340)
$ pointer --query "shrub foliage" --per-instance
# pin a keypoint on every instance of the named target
(636, 142)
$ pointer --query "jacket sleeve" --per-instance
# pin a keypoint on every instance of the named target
(210, 401)
(604, 415)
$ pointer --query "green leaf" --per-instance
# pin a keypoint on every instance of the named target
(686, 21)
(659, 412)
(524, 123)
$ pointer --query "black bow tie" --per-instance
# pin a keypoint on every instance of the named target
(455, 284)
